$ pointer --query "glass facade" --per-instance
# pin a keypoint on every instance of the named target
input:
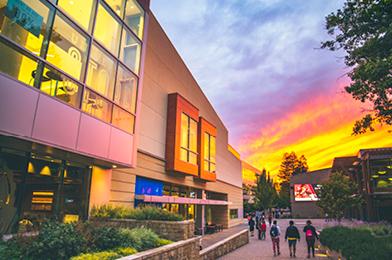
(188, 151)
(84, 53)
(381, 175)
(209, 152)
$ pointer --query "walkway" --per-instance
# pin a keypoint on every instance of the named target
(211, 239)
(262, 249)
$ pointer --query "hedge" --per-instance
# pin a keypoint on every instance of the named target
(357, 243)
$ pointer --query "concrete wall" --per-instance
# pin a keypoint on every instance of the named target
(165, 72)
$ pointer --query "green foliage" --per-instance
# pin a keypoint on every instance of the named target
(15, 248)
(103, 238)
(379, 230)
(265, 195)
(140, 238)
(337, 195)
(363, 29)
(358, 244)
(143, 213)
(106, 255)
(163, 242)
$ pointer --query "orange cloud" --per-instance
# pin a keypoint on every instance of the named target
(320, 129)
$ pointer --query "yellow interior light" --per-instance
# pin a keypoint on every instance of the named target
(45, 171)
(30, 168)
(382, 172)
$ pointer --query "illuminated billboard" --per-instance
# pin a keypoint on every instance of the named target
(306, 192)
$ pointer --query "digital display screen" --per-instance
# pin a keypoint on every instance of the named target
(306, 192)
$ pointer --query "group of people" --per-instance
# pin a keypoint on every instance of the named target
(292, 234)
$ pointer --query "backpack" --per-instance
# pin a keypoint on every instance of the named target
(274, 231)
(309, 233)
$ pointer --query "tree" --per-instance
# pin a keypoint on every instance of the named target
(264, 192)
(338, 195)
(363, 29)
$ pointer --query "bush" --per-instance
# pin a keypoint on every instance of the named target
(140, 238)
(106, 255)
(163, 242)
(103, 238)
(15, 248)
(144, 213)
(356, 243)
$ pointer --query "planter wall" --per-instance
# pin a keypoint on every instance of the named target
(225, 246)
(172, 230)
(184, 250)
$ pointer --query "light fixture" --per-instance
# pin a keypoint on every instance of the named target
(382, 172)
(114, 166)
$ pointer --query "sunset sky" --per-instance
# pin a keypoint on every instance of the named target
(260, 65)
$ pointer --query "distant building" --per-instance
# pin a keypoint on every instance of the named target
(303, 189)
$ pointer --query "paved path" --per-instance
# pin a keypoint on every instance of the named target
(211, 239)
(262, 249)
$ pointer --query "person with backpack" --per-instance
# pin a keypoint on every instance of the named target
(292, 235)
(262, 229)
(275, 233)
(311, 236)
(251, 224)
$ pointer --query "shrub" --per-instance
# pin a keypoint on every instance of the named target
(103, 238)
(144, 213)
(15, 248)
(356, 243)
(163, 242)
(140, 238)
(106, 255)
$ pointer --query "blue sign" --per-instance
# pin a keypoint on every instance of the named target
(148, 187)
(22, 14)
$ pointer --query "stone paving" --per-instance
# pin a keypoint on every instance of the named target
(211, 239)
(262, 249)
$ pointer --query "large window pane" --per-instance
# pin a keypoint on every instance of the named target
(107, 30)
(101, 72)
(206, 146)
(130, 51)
(126, 89)
(117, 6)
(26, 28)
(184, 155)
(78, 10)
(123, 119)
(55, 84)
(68, 48)
(193, 136)
(97, 106)
(212, 148)
(134, 17)
(184, 130)
(17, 65)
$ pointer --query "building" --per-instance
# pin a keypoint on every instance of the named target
(249, 179)
(371, 170)
(91, 116)
(303, 193)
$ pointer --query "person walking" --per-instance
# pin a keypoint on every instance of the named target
(262, 229)
(251, 226)
(311, 236)
(275, 233)
(292, 235)
(270, 218)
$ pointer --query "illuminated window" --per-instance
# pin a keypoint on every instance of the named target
(117, 6)
(67, 48)
(209, 152)
(188, 151)
(17, 65)
(78, 10)
(55, 84)
(96, 105)
(107, 30)
(233, 213)
(25, 22)
(130, 51)
(134, 17)
(101, 72)
(126, 89)
(123, 119)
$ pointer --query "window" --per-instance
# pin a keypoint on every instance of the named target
(123, 120)
(78, 10)
(57, 85)
(117, 6)
(17, 65)
(209, 152)
(97, 106)
(134, 17)
(233, 213)
(109, 38)
(188, 151)
(126, 89)
(130, 51)
(101, 72)
(27, 28)
(68, 48)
